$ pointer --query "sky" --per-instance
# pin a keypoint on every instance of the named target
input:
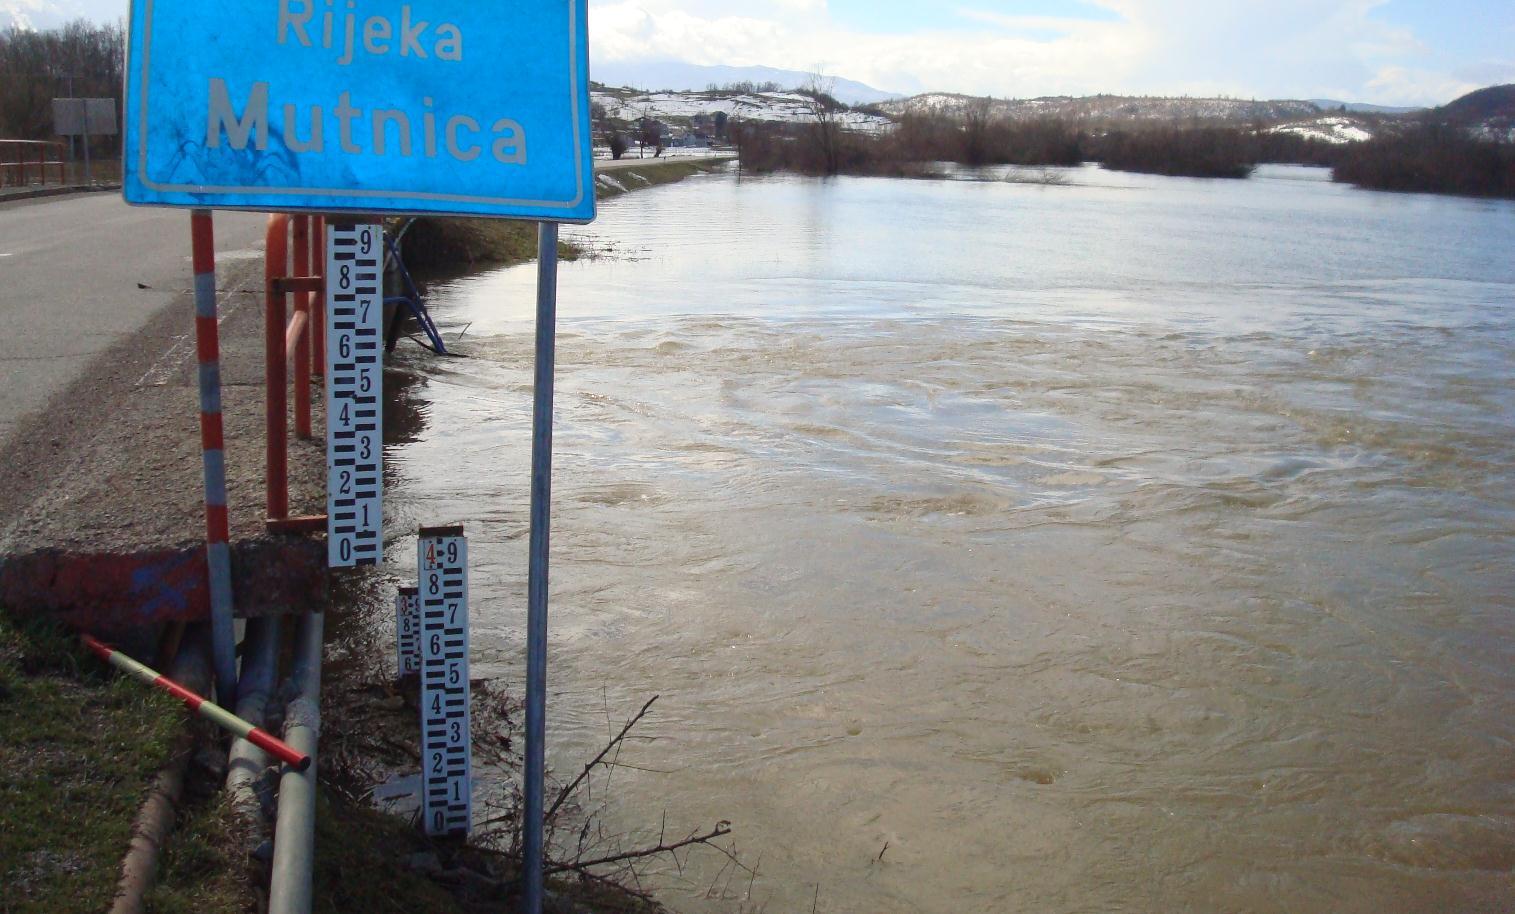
(1391, 52)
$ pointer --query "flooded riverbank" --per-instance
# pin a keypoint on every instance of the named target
(1127, 544)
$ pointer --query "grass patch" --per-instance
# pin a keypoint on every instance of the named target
(200, 871)
(80, 750)
(435, 244)
(377, 863)
(649, 173)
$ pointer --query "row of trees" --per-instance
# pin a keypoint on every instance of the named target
(1429, 158)
(1434, 159)
(646, 130)
(80, 59)
(917, 141)
(744, 87)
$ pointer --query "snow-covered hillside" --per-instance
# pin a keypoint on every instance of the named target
(680, 107)
(1108, 108)
(1336, 129)
(677, 76)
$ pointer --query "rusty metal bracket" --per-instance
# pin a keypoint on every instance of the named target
(310, 523)
(290, 285)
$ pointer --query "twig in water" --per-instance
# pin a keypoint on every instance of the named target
(567, 791)
(721, 830)
(881, 853)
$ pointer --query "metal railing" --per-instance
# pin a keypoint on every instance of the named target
(18, 159)
(294, 350)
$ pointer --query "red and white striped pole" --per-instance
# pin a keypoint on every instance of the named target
(213, 452)
(206, 709)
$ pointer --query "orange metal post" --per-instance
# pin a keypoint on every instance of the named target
(318, 300)
(301, 354)
(276, 267)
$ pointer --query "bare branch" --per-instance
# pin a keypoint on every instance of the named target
(566, 792)
(721, 830)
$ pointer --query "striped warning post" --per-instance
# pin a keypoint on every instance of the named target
(206, 709)
(213, 450)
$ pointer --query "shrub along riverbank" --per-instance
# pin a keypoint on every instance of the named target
(1431, 159)
(918, 142)
(1404, 157)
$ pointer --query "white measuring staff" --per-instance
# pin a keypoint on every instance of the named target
(446, 781)
(354, 393)
(408, 631)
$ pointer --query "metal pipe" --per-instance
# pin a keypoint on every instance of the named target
(213, 455)
(296, 339)
(301, 355)
(275, 267)
(260, 665)
(156, 819)
(536, 585)
(295, 831)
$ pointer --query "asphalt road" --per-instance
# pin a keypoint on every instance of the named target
(80, 274)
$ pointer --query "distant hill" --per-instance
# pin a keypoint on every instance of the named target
(690, 77)
(1331, 104)
(1111, 108)
(679, 109)
(1487, 112)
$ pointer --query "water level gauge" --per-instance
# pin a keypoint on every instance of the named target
(354, 386)
(446, 796)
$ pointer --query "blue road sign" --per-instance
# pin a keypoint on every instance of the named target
(368, 106)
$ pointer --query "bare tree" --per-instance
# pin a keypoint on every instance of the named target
(80, 59)
(976, 131)
(825, 125)
(650, 133)
(646, 131)
(618, 144)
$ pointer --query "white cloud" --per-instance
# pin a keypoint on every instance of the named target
(1298, 48)
(46, 14)
(1406, 85)
(1282, 48)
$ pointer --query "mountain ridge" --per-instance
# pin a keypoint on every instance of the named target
(684, 77)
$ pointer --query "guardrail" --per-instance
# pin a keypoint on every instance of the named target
(19, 157)
(294, 350)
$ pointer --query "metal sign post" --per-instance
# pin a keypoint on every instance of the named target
(536, 584)
(84, 117)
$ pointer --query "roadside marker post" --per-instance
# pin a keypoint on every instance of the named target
(446, 740)
(212, 712)
(213, 458)
(408, 632)
(354, 393)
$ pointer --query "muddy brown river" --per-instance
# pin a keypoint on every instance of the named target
(1130, 544)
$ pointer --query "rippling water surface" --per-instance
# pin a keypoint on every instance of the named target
(1136, 544)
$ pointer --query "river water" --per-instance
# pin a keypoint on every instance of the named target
(1128, 544)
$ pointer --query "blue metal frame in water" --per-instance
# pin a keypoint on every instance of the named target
(412, 300)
